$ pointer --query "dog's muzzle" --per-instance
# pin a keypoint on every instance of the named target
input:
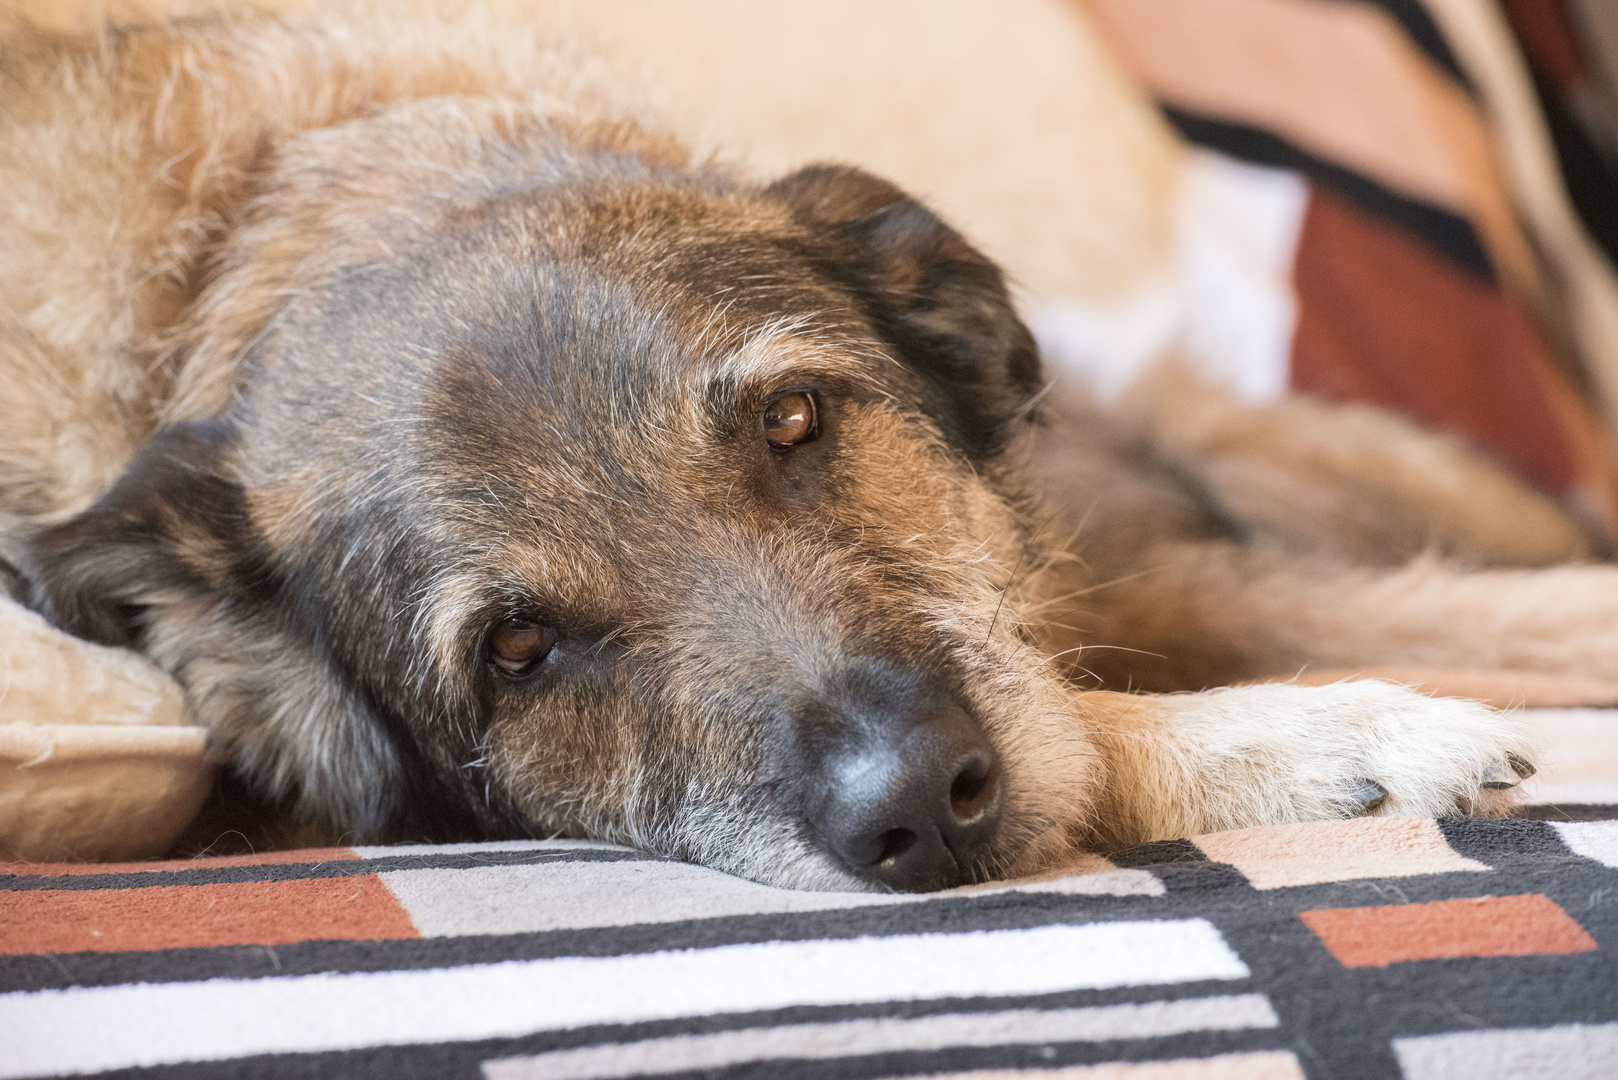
(908, 792)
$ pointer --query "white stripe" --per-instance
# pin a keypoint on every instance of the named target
(1152, 1019)
(1596, 840)
(84, 1029)
(1565, 1052)
(570, 895)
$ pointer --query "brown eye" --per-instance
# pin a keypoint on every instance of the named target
(516, 645)
(790, 419)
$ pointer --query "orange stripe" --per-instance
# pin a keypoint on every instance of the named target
(1385, 321)
(268, 858)
(200, 916)
(1528, 925)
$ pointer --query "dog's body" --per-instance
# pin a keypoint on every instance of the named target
(483, 467)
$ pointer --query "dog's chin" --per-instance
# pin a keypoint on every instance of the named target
(809, 870)
(779, 856)
(803, 867)
(770, 853)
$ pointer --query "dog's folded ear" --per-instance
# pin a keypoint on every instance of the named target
(169, 561)
(171, 528)
(941, 305)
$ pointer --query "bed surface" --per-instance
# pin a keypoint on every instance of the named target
(1372, 947)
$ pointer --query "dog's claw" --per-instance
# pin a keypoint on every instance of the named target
(1503, 775)
(1370, 795)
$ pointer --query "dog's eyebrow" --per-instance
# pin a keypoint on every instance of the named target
(797, 348)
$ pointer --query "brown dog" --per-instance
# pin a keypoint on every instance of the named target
(483, 467)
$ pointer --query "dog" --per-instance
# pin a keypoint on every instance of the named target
(483, 466)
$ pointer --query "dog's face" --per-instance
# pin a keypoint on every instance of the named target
(632, 505)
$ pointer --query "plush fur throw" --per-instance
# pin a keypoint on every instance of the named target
(96, 761)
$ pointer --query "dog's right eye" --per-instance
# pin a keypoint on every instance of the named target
(791, 419)
(516, 646)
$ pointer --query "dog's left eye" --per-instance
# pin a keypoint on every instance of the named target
(516, 646)
(791, 419)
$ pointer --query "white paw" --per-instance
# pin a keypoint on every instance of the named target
(1279, 753)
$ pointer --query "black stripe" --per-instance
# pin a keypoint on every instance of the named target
(1422, 30)
(1348, 1017)
(1443, 231)
(1179, 864)
(1591, 181)
(221, 875)
(1495, 842)
(1160, 853)
(919, 1063)
(1568, 812)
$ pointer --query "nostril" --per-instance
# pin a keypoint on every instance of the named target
(893, 844)
(972, 790)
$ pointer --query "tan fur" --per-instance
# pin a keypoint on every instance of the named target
(1351, 482)
(176, 195)
(1317, 536)
(124, 175)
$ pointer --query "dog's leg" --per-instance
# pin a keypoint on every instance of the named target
(1195, 615)
(1185, 764)
(1361, 484)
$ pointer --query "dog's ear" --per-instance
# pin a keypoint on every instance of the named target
(169, 562)
(169, 531)
(938, 301)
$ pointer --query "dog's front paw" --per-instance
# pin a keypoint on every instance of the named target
(1275, 754)
(1421, 756)
(1369, 796)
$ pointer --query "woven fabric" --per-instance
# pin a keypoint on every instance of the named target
(1355, 948)
(1412, 283)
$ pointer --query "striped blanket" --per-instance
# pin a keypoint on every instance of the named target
(1374, 947)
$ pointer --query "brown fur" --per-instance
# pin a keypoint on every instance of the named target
(331, 345)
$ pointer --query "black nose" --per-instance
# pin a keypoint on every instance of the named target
(910, 797)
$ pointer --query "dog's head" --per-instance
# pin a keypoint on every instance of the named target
(601, 496)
